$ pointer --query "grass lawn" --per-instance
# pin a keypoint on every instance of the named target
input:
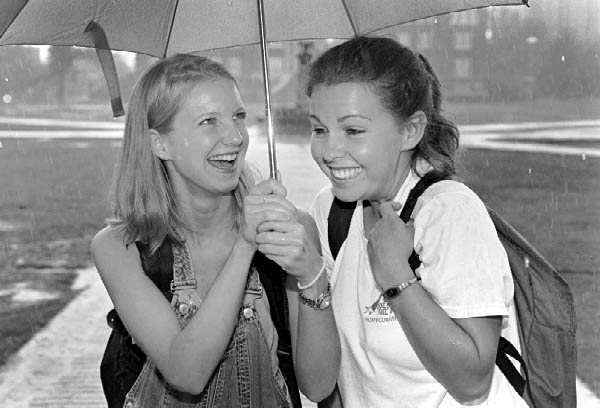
(53, 198)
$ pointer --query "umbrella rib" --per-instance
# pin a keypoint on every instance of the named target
(164, 54)
(349, 17)
(13, 20)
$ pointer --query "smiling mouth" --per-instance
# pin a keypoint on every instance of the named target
(223, 161)
(346, 173)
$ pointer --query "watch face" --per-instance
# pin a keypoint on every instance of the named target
(391, 292)
(325, 303)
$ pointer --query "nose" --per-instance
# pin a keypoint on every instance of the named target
(334, 148)
(234, 134)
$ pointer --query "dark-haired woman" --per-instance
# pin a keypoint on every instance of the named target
(430, 341)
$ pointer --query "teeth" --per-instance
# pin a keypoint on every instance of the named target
(224, 157)
(346, 173)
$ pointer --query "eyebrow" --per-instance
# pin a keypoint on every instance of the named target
(343, 118)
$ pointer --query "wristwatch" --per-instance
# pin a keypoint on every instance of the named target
(394, 291)
(321, 303)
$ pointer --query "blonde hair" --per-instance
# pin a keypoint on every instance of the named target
(143, 207)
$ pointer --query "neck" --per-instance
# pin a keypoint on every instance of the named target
(402, 173)
(206, 215)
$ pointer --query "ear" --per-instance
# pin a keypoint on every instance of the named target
(414, 129)
(159, 147)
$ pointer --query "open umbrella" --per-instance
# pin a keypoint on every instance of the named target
(164, 27)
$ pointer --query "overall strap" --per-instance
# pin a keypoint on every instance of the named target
(183, 275)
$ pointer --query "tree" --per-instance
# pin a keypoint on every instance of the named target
(60, 63)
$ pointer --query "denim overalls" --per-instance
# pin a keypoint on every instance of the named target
(247, 375)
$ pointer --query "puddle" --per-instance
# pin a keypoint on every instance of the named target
(6, 226)
(33, 295)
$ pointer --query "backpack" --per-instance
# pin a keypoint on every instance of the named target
(543, 301)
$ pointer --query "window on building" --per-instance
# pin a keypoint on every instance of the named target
(463, 68)
(404, 38)
(464, 18)
(424, 40)
(463, 40)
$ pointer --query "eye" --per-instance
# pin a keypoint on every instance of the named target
(240, 116)
(319, 130)
(352, 131)
(208, 121)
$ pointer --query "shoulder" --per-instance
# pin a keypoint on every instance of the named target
(109, 245)
(107, 237)
(450, 196)
(451, 206)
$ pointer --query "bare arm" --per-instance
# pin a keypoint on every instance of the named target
(292, 241)
(315, 340)
(186, 357)
(459, 353)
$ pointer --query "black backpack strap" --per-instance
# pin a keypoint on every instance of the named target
(341, 212)
(514, 377)
(338, 224)
(273, 278)
(417, 191)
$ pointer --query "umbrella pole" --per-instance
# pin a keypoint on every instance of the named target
(267, 89)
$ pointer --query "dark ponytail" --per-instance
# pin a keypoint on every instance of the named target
(441, 137)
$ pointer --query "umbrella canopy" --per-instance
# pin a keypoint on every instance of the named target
(165, 27)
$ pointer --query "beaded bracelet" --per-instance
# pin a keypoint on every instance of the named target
(312, 282)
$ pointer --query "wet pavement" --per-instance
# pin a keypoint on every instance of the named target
(60, 366)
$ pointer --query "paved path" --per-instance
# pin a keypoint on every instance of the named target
(59, 367)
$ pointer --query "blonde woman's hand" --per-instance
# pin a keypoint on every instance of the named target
(264, 202)
(390, 244)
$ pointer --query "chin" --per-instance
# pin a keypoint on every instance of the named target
(346, 194)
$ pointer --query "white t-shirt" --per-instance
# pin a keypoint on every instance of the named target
(464, 268)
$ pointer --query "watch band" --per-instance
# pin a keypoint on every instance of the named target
(395, 291)
(321, 303)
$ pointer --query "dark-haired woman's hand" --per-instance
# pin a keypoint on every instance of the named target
(389, 247)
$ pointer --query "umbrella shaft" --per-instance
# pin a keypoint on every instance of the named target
(267, 89)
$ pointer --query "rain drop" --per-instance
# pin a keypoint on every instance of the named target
(526, 260)
(562, 58)
(435, 21)
(582, 156)
(529, 170)
(230, 3)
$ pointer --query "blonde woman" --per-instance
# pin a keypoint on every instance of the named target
(192, 325)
